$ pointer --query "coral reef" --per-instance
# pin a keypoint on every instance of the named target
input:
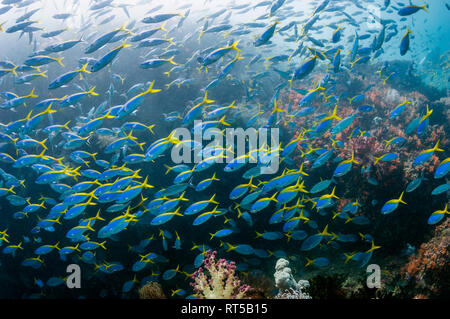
(221, 282)
(262, 287)
(352, 287)
(428, 271)
(288, 288)
(367, 138)
(151, 290)
(329, 287)
(392, 283)
(445, 101)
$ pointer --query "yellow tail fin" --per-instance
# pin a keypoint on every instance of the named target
(32, 94)
(91, 91)
(150, 89)
(234, 46)
(59, 61)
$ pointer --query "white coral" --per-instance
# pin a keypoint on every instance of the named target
(283, 275)
(286, 284)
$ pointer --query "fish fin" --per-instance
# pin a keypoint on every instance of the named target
(59, 61)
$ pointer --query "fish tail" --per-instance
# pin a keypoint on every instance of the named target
(150, 128)
(107, 116)
(11, 190)
(124, 45)
(436, 147)
(97, 217)
(171, 61)
(162, 27)
(211, 200)
(150, 89)
(141, 146)
(43, 74)
(320, 88)
(13, 70)
(230, 247)
(43, 143)
(123, 27)
(408, 31)
(332, 193)
(222, 121)
(232, 106)
(172, 139)
(91, 91)
(32, 94)
(400, 198)
(353, 158)
(273, 197)
(200, 36)
(205, 99)
(59, 61)
(377, 159)
(83, 69)
(234, 46)
(170, 40)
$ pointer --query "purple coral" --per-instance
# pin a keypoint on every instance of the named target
(220, 282)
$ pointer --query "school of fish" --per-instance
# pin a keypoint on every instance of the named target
(87, 175)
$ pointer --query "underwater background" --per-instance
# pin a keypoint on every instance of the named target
(92, 94)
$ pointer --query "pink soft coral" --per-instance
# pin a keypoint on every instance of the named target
(221, 282)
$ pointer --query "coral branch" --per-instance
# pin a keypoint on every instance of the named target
(221, 282)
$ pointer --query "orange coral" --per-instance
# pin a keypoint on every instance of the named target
(431, 263)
